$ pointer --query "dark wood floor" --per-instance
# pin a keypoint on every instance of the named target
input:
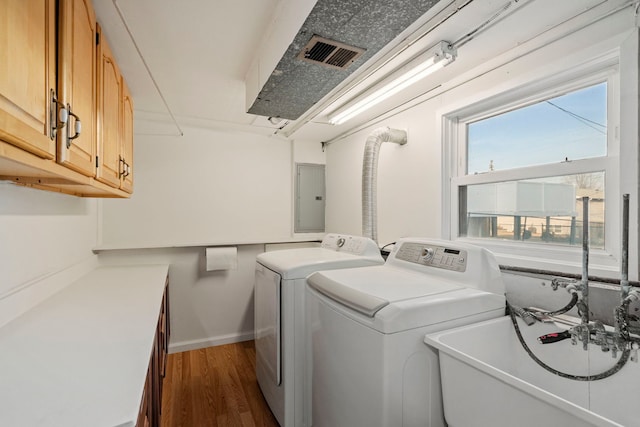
(215, 386)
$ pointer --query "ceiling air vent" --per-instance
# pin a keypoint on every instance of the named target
(330, 53)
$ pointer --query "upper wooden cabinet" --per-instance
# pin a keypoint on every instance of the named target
(77, 85)
(27, 74)
(115, 122)
(109, 115)
(66, 115)
(126, 161)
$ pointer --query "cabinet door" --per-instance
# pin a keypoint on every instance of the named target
(109, 116)
(77, 84)
(27, 74)
(127, 139)
(156, 399)
(145, 413)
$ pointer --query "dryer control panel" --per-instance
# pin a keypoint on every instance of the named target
(433, 256)
(356, 245)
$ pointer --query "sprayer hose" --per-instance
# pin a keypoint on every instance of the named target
(563, 310)
(624, 357)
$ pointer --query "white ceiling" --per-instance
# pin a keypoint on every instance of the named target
(199, 51)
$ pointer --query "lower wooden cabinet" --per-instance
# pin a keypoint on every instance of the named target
(151, 402)
(163, 333)
(146, 414)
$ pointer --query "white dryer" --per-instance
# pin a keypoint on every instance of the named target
(369, 365)
(280, 320)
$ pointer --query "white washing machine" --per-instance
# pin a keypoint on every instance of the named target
(280, 320)
(368, 363)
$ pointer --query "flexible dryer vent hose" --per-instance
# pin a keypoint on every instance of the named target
(370, 176)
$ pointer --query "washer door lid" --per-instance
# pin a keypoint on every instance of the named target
(359, 301)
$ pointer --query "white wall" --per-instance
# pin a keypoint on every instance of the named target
(408, 180)
(207, 188)
(45, 244)
(308, 152)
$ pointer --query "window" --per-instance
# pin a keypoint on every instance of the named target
(568, 127)
(545, 209)
(521, 163)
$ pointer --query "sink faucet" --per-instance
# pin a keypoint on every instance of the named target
(627, 296)
(583, 304)
(624, 264)
(601, 336)
(595, 332)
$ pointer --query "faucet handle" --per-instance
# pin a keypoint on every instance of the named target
(602, 338)
(561, 282)
(582, 333)
(574, 336)
(634, 294)
(586, 336)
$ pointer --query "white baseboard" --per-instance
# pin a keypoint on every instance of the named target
(181, 346)
(22, 299)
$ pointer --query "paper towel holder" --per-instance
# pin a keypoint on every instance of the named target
(221, 258)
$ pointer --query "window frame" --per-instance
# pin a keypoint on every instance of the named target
(532, 254)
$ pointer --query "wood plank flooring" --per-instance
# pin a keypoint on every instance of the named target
(214, 387)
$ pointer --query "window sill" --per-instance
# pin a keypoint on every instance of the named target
(551, 258)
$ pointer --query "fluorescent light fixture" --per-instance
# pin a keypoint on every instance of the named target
(418, 68)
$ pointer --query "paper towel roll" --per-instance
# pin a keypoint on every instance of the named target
(225, 258)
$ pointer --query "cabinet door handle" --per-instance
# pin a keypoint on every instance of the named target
(124, 170)
(57, 120)
(77, 127)
(121, 167)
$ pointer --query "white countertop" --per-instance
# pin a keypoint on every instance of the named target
(80, 358)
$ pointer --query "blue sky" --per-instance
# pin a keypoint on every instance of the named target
(542, 133)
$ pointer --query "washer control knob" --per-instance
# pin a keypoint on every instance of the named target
(427, 254)
(341, 241)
